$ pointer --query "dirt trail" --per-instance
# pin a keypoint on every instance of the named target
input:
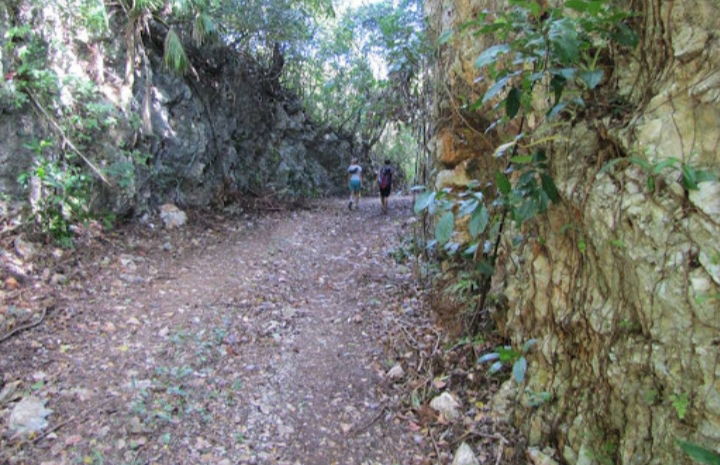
(246, 341)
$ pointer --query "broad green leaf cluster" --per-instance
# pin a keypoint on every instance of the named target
(560, 48)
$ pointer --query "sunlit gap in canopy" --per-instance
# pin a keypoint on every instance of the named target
(377, 63)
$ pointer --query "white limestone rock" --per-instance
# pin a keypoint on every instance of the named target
(465, 456)
(172, 216)
(446, 405)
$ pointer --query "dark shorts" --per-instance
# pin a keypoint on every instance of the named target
(385, 192)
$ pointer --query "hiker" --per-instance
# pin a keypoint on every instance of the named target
(354, 183)
(385, 182)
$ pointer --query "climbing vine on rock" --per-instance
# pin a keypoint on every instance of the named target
(552, 62)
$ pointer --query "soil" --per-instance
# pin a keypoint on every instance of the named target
(237, 339)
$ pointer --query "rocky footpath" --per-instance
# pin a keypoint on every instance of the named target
(229, 340)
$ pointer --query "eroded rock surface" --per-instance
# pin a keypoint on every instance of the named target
(618, 284)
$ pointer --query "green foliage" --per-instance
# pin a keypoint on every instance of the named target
(362, 76)
(505, 356)
(562, 51)
(92, 14)
(28, 68)
(61, 192)
(531, 194)
(465, 286)
(444, 228)
(174, 54)
(204, 28)
(689, 175)
(536, 399)
(680, 403)
(699, 453)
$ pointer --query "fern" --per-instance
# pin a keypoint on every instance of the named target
(139, 5)
(203, 29)
(174, 57)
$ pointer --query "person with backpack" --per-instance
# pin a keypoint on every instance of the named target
(354, 183)
(385, 182)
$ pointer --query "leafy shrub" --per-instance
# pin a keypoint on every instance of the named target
(61, 192)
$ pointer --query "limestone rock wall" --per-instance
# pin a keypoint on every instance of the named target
(619, 285)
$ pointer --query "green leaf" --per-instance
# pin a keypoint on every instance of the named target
(445, 37)
(699, 453)
(522, 159)
(203, 29)
(502, 182)
(680, 403)
(625, 36)
(689, 178)
(489, 357)
(468, 206)
(490, 55)
(519, 369)
(591, 78)
(533, 7)
(495, 367)
(496, 88)
(565, 73)
(470, 251)
(577, 5)
(503, 148)
(478, 221)
(692, 177)
(650, 183)
(549, 187)
(565, 42)
(423, 201)
(485, 268)
(557, 83)
(556, 110)
(658, 167)
(444, 228)
(641, 163)
(529, 344)
(512, 102)
(508, 354)
(526, 211)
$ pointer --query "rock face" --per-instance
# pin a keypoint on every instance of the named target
(628, 323)
(219, 133)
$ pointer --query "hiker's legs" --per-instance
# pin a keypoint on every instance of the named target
(384, 194)
(354, 186)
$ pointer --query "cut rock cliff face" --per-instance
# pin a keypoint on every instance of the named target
(223, 131)
(628, 324)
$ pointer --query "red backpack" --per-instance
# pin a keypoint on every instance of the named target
(385, 177)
